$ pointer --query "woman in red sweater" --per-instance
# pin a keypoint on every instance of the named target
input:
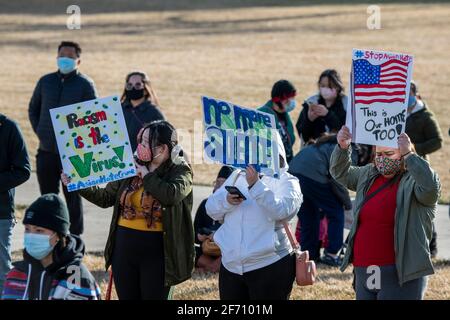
(395, 205)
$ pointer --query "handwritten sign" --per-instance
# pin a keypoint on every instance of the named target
(93, 142)
(238, 136)
(379, 91)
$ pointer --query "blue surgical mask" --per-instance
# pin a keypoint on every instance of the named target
(291, 105)
(412, 101)
(66, 65)
(38, 245)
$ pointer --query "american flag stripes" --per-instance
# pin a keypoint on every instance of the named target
(385, 83)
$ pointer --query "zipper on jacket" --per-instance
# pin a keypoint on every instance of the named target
(41, 284)
(30, 268)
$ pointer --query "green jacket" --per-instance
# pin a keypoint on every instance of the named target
(267, 108)
(423, 129)
(417, 197)
(171, 185)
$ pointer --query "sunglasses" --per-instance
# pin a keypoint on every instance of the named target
(137, 86)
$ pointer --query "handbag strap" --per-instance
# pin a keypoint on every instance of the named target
(382, 187)
(294, 243)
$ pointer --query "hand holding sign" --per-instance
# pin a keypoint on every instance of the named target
(344, 137)
(65, 179)
(251, 175)
(404, 144)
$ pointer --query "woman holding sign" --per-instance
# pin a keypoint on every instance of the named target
(140, 104)
(256, 253)
(395, 205)
(151, 240)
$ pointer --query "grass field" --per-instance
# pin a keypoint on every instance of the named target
(234, 50)
(331, 285)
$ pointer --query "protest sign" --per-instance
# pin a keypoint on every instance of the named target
(238, 136)
(93, 142)
(379, 91)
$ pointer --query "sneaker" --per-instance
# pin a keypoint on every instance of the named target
(330, 260)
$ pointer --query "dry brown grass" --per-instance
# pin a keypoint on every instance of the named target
(332, 284)
(235, 53)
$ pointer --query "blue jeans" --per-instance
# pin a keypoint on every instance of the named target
(319, 201)
(6, 228)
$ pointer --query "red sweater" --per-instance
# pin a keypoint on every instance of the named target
(374, 239)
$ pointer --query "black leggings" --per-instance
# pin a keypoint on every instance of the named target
(273, 282)
(138, 265)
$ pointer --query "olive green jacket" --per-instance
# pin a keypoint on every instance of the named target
(423, 129)
(417, 197)
(171, 185)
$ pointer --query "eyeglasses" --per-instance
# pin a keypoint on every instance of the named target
(137, 86)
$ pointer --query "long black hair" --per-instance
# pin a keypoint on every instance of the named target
(160, 133)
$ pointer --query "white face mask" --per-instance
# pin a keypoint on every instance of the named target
(328, 93)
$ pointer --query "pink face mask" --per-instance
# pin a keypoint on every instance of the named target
(328, 93)
(143, 153)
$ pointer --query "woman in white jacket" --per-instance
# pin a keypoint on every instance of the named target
(257, 258)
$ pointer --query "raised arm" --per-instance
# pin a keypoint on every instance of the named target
(341, 168)
(281, 204)
(172, 191)
(102, 197)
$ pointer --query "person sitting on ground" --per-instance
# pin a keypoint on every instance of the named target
(205, 227)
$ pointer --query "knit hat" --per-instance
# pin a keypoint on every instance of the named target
(225, 172)
(50, 212)
(283, 90)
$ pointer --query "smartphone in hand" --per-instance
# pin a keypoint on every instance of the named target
(235, 190)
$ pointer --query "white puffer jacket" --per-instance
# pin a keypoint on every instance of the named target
(252, 235)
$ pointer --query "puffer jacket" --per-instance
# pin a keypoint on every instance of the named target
(52, 91)
(252, 234)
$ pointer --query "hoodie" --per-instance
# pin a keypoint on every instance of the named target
(67, 278)
(252, 234)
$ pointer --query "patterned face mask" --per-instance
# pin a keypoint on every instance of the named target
(387, 166)
(144, 154)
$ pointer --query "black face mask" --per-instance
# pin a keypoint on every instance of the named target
(135, 94)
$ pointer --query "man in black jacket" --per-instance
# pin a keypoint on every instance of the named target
(63, 87)
(14, 170)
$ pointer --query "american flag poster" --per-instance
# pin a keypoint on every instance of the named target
(379, 90)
